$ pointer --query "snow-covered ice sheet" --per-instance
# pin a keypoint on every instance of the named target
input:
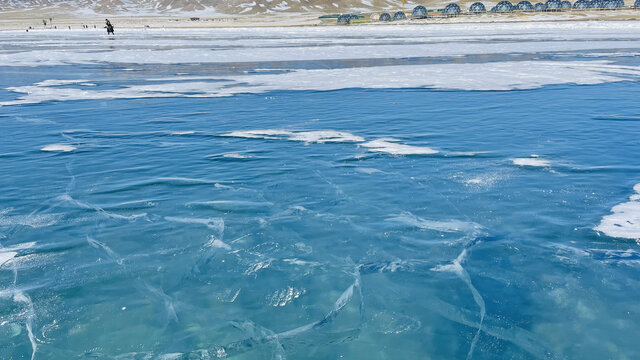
(624, 220)
(488, 76)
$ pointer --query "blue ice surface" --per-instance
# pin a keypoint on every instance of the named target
(151, 241)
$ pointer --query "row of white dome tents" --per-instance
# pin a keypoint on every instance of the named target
(421, 12)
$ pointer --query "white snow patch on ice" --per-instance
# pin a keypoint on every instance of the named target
(448, 226)
(391, 146)
(258, 134)
(56, 82)
(217, 243)
(317, 136)
(533, 161)
(237, 156)
(6, 256)
(507, 75)
(624, 220)
(58, 147)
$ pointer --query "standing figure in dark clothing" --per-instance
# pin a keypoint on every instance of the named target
(109, 27)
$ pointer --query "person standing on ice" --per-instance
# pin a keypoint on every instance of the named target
(109, 27)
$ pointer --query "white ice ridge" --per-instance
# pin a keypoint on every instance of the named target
(212, 223)
(382, 145)
(8, 253)
(449, 226)
(507, 75)
(533, 161)
(29, 315)
(320, 136)
(456, 268)
(56, 82)
(217, 243)
(624, 220)
(391, 146)
(99, 210)
(58, 147)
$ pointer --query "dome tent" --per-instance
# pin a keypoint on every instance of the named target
(451, 9)
(596, 4)
(524, 5)
(399, 16)
(503, 6)
(384, 17)
(479, 7)
(553, 5)
(613, 4)
(581, 4)
(539, 7)
(637, 4)
(565, 4)
(419, 11)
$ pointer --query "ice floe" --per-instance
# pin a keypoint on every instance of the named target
(624, 220)
(58, 147)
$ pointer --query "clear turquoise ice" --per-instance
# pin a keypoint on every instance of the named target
(164, 228)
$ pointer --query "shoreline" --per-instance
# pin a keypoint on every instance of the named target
(33, 19)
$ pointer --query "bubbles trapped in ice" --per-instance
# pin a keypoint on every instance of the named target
(393, 323)
(285, 296)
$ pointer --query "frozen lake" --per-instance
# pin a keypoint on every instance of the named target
(363, 192)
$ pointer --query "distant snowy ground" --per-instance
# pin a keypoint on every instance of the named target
(465, 57)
